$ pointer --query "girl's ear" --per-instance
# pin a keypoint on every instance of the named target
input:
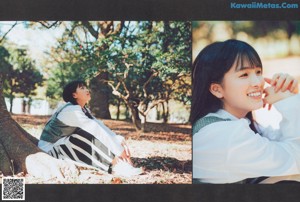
(217, 90)
(74, 95)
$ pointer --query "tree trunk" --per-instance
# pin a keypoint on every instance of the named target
(19, 153)
(15, 143)
(127, 114)
(118, 108)
(24, 106)
(99, 102)
(143, 123)
(165, 111)
(158, 115)
(29, 106)
(133, 115)
(11, 100)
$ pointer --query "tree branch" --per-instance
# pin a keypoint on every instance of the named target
(90, 28)
(154, 74)
(3, 37)
(118, 29)
(153, 104)
(46, 24)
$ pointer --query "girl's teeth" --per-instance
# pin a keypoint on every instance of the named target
(254, 94)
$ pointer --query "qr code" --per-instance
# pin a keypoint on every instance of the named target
(13, 188)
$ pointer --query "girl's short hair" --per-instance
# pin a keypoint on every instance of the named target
(70, 88)
(210, 67)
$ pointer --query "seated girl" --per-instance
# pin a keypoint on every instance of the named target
(228, 145)
(73, 133)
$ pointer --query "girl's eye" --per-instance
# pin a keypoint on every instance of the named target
(258, 72)
(244, 75)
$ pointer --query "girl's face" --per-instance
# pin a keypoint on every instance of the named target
(241, 89)
(82, 95)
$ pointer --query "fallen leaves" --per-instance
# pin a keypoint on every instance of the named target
(164, 151)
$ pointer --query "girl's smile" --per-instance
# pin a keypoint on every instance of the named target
(255, 95)
(241, 89)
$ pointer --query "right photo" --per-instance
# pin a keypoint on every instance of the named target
(245, 111)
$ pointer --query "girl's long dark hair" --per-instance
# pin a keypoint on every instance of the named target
(68, 91)
(210, 67)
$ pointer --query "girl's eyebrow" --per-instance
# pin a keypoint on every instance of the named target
(245, 68)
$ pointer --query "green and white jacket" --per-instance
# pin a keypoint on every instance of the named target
(67, 119)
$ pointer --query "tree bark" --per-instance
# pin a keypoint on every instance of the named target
(19, 153)
(165, 111)
(118, 108)
(15, 143)
(134, 116)
(100, 99)
(11, 101)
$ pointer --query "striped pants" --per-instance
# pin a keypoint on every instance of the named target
(84, 148)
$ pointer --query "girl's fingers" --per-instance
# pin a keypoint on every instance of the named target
(294, 87)
(283, 82)
(127, 151)
(287, 83)
(279, 83)
(269, 107)
(274, 79)
(268, 80)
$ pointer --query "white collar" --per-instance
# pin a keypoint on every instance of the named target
(221, 113)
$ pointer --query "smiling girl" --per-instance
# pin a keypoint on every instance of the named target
(228, 145)
(73, 133)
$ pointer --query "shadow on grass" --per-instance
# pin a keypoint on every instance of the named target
(153, 131)
(164, 163)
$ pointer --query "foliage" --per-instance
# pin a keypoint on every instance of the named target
(24, 77)
(279, 29)
(21, 77)
(5, 66)
(260, 33)
(145, 61)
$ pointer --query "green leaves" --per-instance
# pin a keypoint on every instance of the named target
(23, 76)
(146, 57)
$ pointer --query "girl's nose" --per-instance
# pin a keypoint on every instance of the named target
(256, 80)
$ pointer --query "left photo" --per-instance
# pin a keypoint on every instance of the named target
(96, 102)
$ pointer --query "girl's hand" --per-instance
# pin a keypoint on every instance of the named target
(271, 96)
(284, 82)
(126, 148)
(125, 156)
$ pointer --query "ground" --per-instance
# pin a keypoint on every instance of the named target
(164, 151)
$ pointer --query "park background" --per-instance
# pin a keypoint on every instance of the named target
(277, 44)
(139, 77)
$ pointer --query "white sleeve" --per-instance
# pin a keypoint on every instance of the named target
(119, 138)
(229, 151)
(74, 116)
(251, 155)
(290, 110)
(269, 132)
(290, 124)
